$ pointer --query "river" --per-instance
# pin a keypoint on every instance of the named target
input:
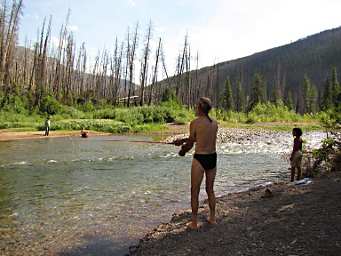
(97, 196)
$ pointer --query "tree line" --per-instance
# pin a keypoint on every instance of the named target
(308, 98)
(40, 70)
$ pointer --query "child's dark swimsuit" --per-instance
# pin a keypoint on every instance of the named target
(208, 161)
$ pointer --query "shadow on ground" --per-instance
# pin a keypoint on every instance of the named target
(96, 245)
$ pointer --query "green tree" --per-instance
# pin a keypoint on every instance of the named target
(309, 96)
(257, 91)
(276, 96)
(335, 86)
(289, 102)
(327, 98)
(313, 94)
(239, 104)
(228, 97)
(168, 95)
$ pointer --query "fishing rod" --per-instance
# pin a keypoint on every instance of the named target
(177, 142)
(143, 141)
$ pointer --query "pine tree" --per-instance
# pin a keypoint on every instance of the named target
(289, 101)
(313, 95)
(228, 98)
(327, 100)
(276, 96)
(257, 91)
(335, 86)
(239, 104)
(309, 96)
(306, 89)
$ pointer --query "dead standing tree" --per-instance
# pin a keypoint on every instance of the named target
(8, 34)
(40, 70)
(131, 63)
(116, 72)
(180, 67)
(154, 79)
(146, 52)
(58, 88)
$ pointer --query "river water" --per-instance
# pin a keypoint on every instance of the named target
(96, 196)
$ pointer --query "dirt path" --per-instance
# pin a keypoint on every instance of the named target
(296, 220)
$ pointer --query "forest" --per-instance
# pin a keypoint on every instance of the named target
(294, 82)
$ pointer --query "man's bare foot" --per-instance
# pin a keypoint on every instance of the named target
(192, 225)
(211, 221)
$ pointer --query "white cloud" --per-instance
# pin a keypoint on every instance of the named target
(132, 3)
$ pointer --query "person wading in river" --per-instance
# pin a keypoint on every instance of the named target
(203, 132)
(47, 126)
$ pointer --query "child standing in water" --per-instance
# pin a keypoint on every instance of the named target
(296, 155)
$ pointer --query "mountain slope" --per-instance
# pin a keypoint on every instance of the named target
(283, 66)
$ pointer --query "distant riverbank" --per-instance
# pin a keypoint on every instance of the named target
(157, 131)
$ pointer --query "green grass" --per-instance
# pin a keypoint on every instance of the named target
(148, 118)
(105, 119)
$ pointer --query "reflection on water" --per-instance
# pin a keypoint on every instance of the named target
(57, 193)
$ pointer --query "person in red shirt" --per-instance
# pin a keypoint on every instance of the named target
(296, 155)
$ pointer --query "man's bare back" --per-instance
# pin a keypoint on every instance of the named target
(204, 133)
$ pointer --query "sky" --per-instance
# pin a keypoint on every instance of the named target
(219, 30)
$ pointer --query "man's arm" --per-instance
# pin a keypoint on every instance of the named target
(190, 141)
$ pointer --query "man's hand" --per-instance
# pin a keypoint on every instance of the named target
(179, 142)
(182, 152)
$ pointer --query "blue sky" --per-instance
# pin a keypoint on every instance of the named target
(219, 29)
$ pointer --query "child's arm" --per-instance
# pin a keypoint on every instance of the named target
(295, 148)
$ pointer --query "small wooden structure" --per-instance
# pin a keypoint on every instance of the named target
(133, 100)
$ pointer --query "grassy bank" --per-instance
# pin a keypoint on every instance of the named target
(102, 118)
(105, 118)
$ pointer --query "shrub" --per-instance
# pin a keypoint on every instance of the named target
(16, 104)
(267, 112)
(106, 113)
(50, 105)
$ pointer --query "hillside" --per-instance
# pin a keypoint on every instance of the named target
(283, 66)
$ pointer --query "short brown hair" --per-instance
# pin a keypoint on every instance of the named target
(205, 104)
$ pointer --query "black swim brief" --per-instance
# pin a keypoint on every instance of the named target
(207, 161)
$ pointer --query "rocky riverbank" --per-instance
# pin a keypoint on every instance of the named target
(236, 140)
(292, 220)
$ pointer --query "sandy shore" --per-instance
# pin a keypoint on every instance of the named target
(6, 135)
(295, 220)
(10, 134)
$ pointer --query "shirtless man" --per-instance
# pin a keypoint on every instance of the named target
(203, 132)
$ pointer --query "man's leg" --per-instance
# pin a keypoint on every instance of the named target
(197, 174)
(210, 177)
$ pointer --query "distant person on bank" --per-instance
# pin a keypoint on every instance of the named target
(47, 126)
(203, 132)
(296, 155)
